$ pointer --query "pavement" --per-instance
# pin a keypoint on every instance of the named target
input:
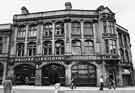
(52, 89)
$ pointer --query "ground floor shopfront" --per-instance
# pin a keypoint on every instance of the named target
(86, 73)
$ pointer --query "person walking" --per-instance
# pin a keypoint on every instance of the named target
(101, 83)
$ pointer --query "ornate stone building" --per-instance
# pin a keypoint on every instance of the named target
(55, 46)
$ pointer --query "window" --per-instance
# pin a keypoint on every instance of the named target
(59, 28)
(21, 31)
(1, 45)
(47, 48)
(20, 49)
(32, 31)
(59, 47)
(88, 28)
(31, 49)
(110, 46)
(76, 47)
(109, 27)
(76, 28)
(88, 47)
(47, 30)
(127, 57)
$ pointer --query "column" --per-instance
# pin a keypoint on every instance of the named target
(38, 76)
(26, 36)
(68, 75)
(53, 40)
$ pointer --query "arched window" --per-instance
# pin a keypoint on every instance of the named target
(76, 28)
(32, 31)
(76, 47)
(47, 48)
(31, 49)
(47, 30)
(59, 47)
(88, 47)
(20, 49)
(59, 28)
(88, 28)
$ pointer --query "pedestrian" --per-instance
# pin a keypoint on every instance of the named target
(101, 83)
(73, 83)
(7, 85)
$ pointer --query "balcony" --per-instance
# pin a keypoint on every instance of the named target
(109, 35)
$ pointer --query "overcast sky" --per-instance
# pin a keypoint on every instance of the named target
(124, 9)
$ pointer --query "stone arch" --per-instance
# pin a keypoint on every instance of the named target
(24, 74)
(53, 73)
(84, 73)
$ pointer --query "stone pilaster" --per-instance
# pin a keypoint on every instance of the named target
(39, 39)
(82, 36)
(120, 79)
(13, 41)
(68, 75)
(38, 76)
(67, 29)
(26, 42)
(5, 71)
(53, 40)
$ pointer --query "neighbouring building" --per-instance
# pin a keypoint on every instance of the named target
(45, 48)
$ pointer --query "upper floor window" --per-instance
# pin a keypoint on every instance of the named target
(1, 45)
(21, 31)
(20, 49)
(88, 47)
(110, 46)
(109, 27)
(120, 39)
(76, 47)
(127, 56)
(32, 31)
(76, 28)
(59, 28)
(59, 47)
(47, 48)
(47, 30)
(31, 50)
(88, 29)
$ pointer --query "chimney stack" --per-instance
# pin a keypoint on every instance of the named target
(68, 5)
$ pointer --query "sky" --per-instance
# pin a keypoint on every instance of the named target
(124, 10)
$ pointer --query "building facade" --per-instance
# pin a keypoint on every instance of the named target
(45, 48)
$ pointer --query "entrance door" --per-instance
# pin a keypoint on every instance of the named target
(52, 74)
